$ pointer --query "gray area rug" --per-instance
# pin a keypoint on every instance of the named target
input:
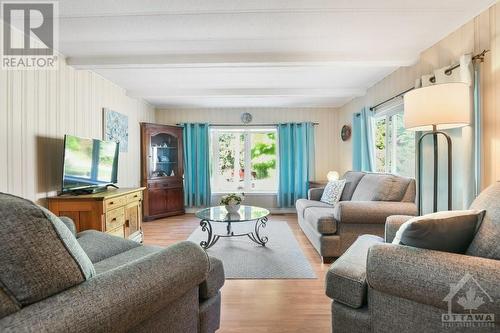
(281, 258)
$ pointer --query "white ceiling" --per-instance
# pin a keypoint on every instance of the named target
(233, 53)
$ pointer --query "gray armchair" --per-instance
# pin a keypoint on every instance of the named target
(381, 287)
(367, 200)
(127, 287)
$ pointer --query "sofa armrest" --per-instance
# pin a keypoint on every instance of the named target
(315, 193)
(392, 224)
(428, 277)
(346, 277)
(214, 281)
(131, 293)
(69, 223)
(371, 212)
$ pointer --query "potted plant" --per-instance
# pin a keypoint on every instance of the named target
(232, 202)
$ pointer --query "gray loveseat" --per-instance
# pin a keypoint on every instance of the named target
(367, 200)
(381, 287)
(53, 280)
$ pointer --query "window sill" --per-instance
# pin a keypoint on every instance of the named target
(247, 193)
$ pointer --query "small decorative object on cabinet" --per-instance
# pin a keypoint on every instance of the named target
(116, 211)
(162, 170)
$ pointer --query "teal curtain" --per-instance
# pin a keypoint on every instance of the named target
(196, 165)
(363, 156)
(477, 128)
(296, 161)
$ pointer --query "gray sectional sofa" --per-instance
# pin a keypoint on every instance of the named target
(54, 280)
(380, 287)
(366, 201)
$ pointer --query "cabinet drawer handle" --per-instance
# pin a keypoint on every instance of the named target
(114, 219)
(111, 202)
(135, 196)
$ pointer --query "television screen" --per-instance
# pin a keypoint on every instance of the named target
(89, 163)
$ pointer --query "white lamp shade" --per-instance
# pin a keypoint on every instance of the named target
(332, 175)
(443, 105)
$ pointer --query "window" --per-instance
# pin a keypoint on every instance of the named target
(394, 145)
(236, 150)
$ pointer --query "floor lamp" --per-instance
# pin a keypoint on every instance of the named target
(431, 110)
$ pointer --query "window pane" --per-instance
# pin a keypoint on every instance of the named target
(404, 148)
(236, 151)
(227, 175)
(380, 144)
(263, 161)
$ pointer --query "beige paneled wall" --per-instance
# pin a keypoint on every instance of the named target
(38, 107)
(481, 33)
(325, 132)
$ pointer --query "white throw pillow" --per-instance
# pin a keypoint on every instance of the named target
(448, 231)
(333, 191)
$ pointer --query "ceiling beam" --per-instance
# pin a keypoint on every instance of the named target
(267, 92)
(232, 60)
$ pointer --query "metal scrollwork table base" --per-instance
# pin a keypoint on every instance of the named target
(247, 214)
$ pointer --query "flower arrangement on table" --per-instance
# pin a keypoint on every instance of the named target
(232, 201)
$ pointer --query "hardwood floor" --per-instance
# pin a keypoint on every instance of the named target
(260, 306)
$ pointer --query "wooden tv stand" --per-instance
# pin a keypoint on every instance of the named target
(115, 211)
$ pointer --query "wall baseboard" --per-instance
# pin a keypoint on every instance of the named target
(274, 211)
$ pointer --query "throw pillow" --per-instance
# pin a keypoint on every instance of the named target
(448, 231)
(333, 191)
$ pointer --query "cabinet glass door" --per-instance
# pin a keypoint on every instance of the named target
(163, 156)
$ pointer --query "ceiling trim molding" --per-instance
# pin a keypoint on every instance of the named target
(248, 92)
(318, 10)
(232, 60)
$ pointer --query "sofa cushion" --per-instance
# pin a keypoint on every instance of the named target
(333, 192)
(346, 278)
(8, 304)
(411, 192)
(302, 204)
(40, 256)
(125, 258)
(381, 187)
(99, 245)
(487, 239)
(448, 231)
(321, 219)
(371, 212)
(352, 179)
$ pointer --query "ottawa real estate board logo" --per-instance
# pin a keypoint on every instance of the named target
(466, 301)
(29, 35)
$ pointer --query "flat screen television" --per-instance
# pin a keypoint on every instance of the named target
(89, 164)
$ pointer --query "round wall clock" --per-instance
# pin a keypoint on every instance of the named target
(345, 133)
(246, 118)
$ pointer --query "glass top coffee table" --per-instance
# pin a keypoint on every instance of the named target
(219, 214)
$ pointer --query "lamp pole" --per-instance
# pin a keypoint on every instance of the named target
(435, 133)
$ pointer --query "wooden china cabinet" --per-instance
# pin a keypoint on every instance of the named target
(162, 170)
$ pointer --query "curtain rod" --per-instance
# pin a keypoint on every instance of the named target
(479, 56)
(245, 125)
